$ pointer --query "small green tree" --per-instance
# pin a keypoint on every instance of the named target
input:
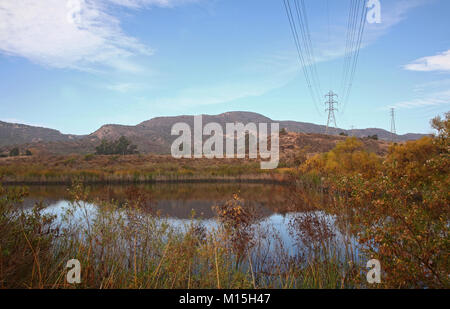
(28, 152)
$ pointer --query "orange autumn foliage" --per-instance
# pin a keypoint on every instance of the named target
(348, 157)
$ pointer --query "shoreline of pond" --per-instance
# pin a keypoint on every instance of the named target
(279, 181)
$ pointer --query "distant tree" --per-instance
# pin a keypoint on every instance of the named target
(122, 146)
(343, 134)
(28, 152)
(105, 148)
(374, 137)
(14, 152)
(283, 131)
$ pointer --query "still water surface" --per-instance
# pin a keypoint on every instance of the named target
(177, 202)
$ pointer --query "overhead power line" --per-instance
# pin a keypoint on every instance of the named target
(355, 33)
(298, 22)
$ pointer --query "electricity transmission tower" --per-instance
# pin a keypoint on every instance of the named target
(393, 132)
(330, 109)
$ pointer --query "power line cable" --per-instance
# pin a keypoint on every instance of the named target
(302, 38)
(299, 50)
(358, 43)
(351, 31)
(298, 22)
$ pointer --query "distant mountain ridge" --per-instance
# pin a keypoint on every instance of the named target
(153, 136)
(17, 134)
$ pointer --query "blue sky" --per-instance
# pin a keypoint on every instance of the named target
(76, 65)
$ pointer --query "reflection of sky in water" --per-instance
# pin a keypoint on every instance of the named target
(177, 213)
(274, 224)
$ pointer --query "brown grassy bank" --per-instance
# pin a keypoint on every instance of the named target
(93, 169)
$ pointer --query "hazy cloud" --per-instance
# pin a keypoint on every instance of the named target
(122, 87)
(144, 3)
(258, 77)
(440, 98)
(80, 34)
(392, 13)
(439, 62)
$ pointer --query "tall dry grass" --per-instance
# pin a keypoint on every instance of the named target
(133, 247)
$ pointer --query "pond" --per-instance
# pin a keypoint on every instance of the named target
(181, 203)
(176, 201)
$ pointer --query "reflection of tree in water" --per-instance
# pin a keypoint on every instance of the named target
(175, 200)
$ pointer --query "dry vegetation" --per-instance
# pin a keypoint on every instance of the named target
(128, 168)
(395, 207)
(295, 148)
(398, 206)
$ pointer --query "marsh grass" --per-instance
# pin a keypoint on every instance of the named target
(131, 246)
(128, 169)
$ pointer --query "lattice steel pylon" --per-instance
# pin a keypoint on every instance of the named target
(393, 131)
(330, 109)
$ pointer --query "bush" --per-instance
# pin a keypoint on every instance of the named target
(402, 213)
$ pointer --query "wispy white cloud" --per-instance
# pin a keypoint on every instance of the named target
(441, 98)
(433, 95)
(432, 86)
(439, 62)
(208, 95)
(258, 77)
(122, 87)
(392, 13)
(76, 34)
(146, 3)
